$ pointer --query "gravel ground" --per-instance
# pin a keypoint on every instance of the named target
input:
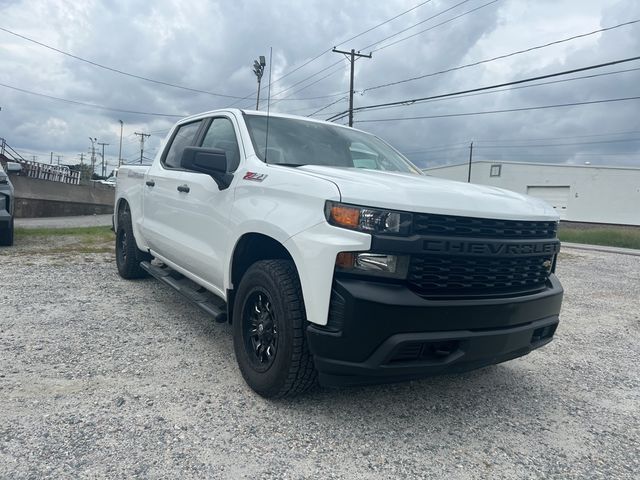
(100, 377)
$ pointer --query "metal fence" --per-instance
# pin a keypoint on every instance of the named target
(43, 171)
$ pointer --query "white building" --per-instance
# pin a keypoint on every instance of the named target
(580, 193)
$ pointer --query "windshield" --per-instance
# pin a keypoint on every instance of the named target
(299, 142)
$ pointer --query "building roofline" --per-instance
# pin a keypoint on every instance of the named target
(502, 162)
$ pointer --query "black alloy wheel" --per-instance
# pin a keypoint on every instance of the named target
(261, 330)
(269, 336)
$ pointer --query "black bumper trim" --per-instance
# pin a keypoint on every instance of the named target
(475, 350)
(381, 319)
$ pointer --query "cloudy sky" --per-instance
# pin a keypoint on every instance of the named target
(209, 46)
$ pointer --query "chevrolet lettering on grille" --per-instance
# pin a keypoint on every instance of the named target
(456, 247)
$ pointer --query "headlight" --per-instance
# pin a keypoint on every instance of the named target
(376, 264)
(368, 220)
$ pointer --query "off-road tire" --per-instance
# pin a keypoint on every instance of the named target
(128, 256)
(291, 371)
(6, 235)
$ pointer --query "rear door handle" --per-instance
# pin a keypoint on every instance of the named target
(150, 183)
(183, 188)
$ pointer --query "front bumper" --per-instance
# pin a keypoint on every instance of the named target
(381, 332)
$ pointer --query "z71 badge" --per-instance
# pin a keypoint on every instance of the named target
(256, 177)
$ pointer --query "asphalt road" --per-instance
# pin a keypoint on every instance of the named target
(64, 222)
(104, 378)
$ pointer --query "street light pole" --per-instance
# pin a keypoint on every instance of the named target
(470, 160)
(93, 156)
(120, 150)
(258, 69)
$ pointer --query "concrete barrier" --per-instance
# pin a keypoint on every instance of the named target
(43, 198)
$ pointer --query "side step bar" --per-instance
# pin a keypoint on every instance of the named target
(201, 297)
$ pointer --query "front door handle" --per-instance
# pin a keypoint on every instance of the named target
(150, 183)
(183, 188)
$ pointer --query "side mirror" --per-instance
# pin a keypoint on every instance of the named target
(211, 161)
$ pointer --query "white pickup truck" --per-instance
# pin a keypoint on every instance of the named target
(335, 259)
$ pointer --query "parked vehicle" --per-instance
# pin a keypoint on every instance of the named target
(111, 181)
(6, 209)
(333, 256)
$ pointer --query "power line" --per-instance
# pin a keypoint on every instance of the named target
(327, 106)
(386, 38)
(582, 154)
(546, 145)
(463, 145)
(500, 57)
(92, 105)
(115, 70)
(545, 139)
(324, 52)
(338, 115)
(379, 25)
(493, 147)
(459, 93)
(434, 26)
(342, 114)
(352, 38)
(422, 31)
(424, 21)
(333, 72)
(487, 112)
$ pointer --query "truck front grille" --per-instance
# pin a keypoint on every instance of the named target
(454, 226)
(452, 276)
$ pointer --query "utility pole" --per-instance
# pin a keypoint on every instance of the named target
(93, 156)
(352, 57)
(104, 170)
(470, 160)
(82, 158)
(59, 157)
(142, 137)
(51, 159)
(120, 150)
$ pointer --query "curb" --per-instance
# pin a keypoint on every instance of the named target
(602, 248)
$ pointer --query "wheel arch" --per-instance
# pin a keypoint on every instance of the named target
(121, 206)
(250, 248)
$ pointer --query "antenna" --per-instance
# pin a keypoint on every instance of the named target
(266, 138)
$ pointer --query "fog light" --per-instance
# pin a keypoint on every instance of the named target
(377, 264)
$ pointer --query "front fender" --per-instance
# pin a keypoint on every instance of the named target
(314, 252)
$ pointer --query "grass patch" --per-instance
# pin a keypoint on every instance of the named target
(77, 240)
(104, 232)
(608, 236)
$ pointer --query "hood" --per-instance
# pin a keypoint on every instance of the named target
(424, 194)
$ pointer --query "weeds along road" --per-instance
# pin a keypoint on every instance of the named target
(100, 377)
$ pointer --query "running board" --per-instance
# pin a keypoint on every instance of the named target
(200, 296)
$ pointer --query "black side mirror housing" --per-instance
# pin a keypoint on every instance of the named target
(211, 161)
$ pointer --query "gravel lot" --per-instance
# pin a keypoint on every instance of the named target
(100, 377)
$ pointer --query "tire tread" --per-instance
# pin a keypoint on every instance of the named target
(302, 375)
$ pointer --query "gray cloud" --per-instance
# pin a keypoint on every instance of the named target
(211, 45)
